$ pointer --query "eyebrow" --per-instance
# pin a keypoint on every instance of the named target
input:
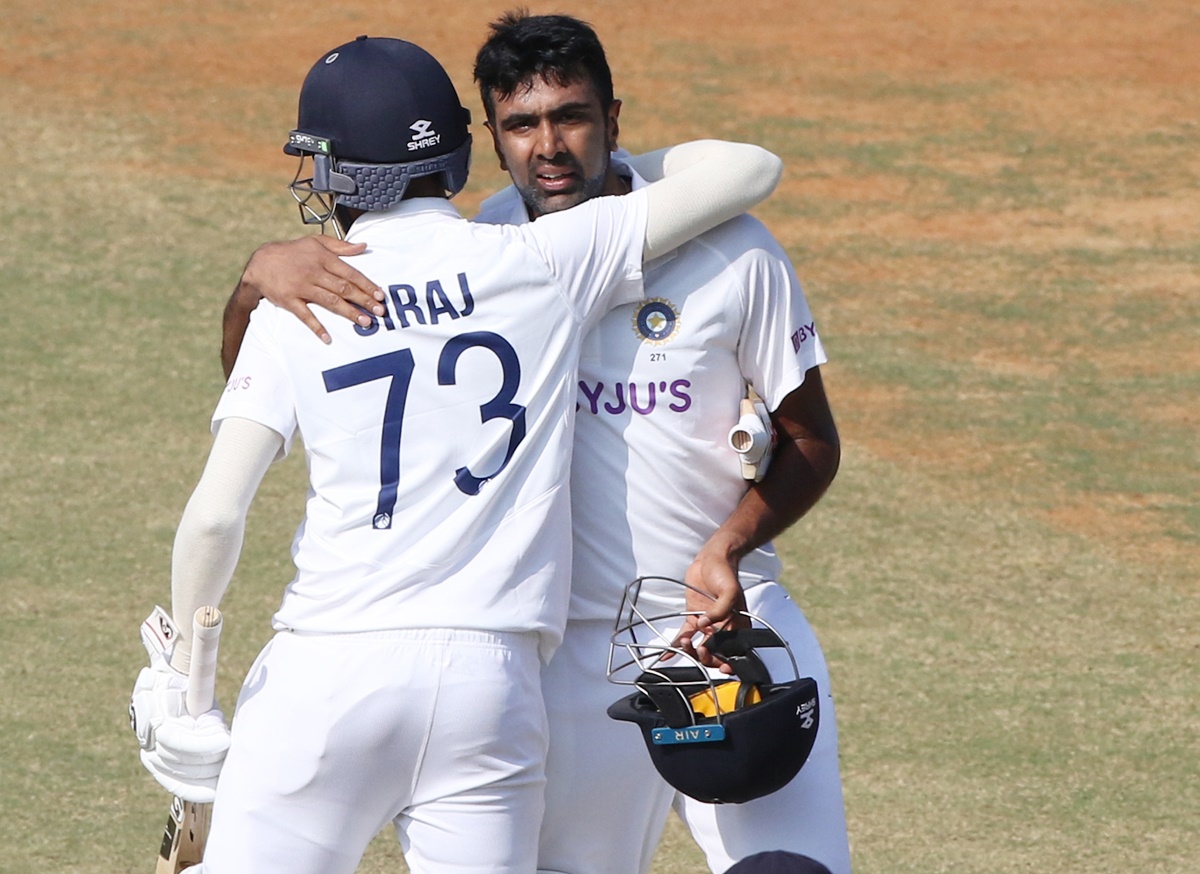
(518, 118)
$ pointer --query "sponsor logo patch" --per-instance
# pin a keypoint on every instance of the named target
(802, 334)
(693, 734)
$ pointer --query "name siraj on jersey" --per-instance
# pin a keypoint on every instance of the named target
(406, 306)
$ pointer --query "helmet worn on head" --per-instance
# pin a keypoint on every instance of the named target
(713, 737)
(374, 114)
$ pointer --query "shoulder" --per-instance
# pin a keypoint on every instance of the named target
(741, 250)
(605, 218)
(503, 207)
(743, 235)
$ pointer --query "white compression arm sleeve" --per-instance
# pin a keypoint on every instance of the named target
(209, 539)
(703, 184)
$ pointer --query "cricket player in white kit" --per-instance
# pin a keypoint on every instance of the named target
(659, 384)
(432, 563)
(656, 489)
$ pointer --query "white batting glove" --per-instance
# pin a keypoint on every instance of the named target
(183, 753)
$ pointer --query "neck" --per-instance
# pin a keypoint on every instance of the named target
(425, 186)
(614, 183)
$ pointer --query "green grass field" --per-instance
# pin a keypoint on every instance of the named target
(996, 212)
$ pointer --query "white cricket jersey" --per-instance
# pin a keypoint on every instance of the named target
(660, 382)
(438, 439)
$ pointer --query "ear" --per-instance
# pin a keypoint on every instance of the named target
(496, 145)
(614, 127)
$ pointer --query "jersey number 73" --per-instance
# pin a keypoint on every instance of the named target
(398, 367)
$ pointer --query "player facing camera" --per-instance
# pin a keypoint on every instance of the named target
(376, 114)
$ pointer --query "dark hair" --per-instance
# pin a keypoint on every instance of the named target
(557, 48)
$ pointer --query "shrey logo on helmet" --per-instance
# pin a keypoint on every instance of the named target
(714, 737)
(423, 135)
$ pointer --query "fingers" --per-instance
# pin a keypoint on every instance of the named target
(339, 247)
(347, 282)
(304, 314)
(334, 285)
(310, 270)
(186, 741)
(692, 639)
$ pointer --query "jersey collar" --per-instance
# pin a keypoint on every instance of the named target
(412, 208)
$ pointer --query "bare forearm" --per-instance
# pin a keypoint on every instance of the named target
(235, 321)
(805, 462)
(293, 274)
(800, 473)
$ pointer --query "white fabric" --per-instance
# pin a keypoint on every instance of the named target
(209, 538)
(503, 310)
(183, 753)
(652, 477)
(440, 732)
(653, 474)
(692, 197)
(605, 803)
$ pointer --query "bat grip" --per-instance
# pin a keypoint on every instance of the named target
(750, 437)
(202, 675)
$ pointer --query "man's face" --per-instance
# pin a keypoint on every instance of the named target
(554, 141)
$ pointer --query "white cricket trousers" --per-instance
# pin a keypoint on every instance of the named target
(606, 805)
(441, 732)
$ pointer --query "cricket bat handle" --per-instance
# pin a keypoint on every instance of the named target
(202, 675)
(187, 824)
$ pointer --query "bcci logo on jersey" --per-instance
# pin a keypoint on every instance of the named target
(656, 320)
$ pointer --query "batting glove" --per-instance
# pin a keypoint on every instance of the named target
(183, 753)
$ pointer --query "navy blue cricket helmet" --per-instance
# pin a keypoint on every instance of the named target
(374, 114)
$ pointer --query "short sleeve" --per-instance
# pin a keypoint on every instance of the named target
(260, 388)
(594, 250)
(779, 342)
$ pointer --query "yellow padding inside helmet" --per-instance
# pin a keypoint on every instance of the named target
(725, 696)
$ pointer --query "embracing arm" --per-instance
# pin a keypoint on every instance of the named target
(700, 185)
(704, 183)
(209, 539)
(293, 274)
(805, 462)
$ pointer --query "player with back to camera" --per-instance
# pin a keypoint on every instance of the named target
(432, 565)
(655, 488)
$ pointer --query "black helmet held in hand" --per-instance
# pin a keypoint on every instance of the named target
(713, 737)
